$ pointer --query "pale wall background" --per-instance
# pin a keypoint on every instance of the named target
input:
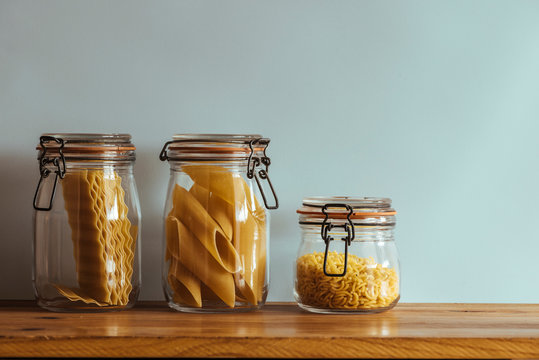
(432, 103)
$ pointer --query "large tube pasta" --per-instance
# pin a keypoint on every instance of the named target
(247, 240)
(103, 241)
(261, 265)
(208, 295)
(185, 285)
(192, 214)
(220, 182)
(195, 257)
(220, 210)
(229, 201)
(250, 240)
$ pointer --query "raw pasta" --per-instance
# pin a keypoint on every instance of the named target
(102, 235)
(366, 285)
(210, 234)
(216, 240)
(195, 258)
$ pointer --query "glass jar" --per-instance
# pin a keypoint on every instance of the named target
(86, 223)
(216, 232)
(347, 261)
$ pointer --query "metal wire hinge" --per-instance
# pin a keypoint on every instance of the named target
(327, 226)
(252, 165)
(163, 156)
(44, 171)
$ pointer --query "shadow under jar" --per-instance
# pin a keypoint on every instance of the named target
(347, 261)
(86, 223)
(216, 225)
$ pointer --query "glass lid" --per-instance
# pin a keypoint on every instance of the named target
(343, 206)
(218, 147)
(86, 146)
(233, 138)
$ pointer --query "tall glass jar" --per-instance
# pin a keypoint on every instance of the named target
(347, 261)
(86, 223)
(216, 233)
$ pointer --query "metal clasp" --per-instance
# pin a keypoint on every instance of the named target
(252, 166)
(253, 163)
(44, 171)
(163, 154)
(327, 226)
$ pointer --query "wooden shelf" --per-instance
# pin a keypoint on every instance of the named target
(280, 330)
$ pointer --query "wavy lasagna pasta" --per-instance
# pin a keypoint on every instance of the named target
(215, 241)
(102, 235)
(366, 285)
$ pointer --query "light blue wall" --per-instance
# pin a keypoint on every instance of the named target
(432, 103)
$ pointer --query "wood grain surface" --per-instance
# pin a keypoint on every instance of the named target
(278, 331)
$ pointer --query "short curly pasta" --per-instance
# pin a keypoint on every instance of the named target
(366, 285)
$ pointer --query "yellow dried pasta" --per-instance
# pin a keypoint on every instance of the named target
(102, 236)
(220, 212)
(191, 255)
(192, 214)
(366, 285)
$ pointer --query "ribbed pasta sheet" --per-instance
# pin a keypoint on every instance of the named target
(102, 235)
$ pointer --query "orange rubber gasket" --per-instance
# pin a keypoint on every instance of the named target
(89, 149)
(209, 149)
(356, 215)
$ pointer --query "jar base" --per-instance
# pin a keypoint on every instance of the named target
(239, 307)
(63, 306)
(318, 310)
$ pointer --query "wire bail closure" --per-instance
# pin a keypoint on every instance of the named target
(327, 226)
(44, 171)
(163, 156)
(253, 163)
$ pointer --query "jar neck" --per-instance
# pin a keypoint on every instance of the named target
(362, 233)
(236, 166)
(375, 220)
(122, 165)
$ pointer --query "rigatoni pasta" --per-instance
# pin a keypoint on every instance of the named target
(366, 285)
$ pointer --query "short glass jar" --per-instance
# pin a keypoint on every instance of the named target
(216, 234)
(86, 223)
(347, 261)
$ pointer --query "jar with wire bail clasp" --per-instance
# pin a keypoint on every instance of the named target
(86, 223)
(347, 261)
(216, 233)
